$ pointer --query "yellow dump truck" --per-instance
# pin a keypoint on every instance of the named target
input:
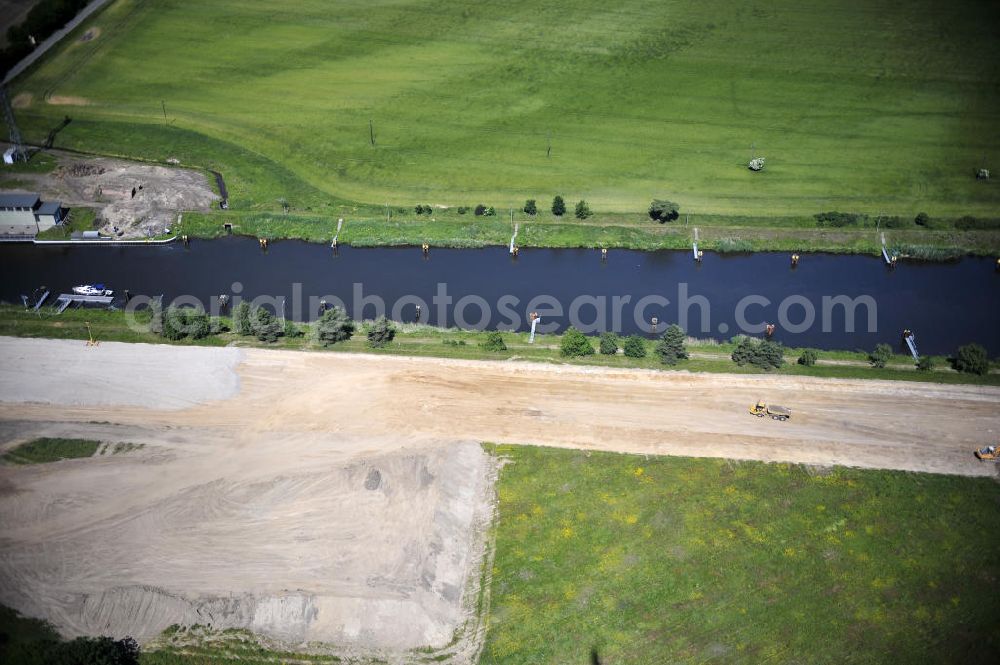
(762, 408)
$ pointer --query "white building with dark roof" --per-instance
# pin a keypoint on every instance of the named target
(28, 215)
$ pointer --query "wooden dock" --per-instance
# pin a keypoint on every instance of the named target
(67, 299)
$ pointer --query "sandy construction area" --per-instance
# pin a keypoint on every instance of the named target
(341, 498)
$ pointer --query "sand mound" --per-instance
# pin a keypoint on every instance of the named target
(22, 101)
(66, 100)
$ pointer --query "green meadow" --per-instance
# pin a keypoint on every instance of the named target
(605, 558)
(863, 106)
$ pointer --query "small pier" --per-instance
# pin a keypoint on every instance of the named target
(911, 342)
(67, 299)
(340, 225)
(513, 238)
(41, 300)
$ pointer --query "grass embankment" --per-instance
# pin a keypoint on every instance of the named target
(428, 341)
(465, 102)
(40, 451)
(634, 559)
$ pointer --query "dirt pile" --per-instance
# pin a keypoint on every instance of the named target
(284, 536)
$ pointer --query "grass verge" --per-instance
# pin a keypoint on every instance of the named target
(432, 342)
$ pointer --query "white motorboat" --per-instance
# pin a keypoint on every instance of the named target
(92, 290)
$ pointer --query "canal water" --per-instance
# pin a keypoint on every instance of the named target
(827, 301)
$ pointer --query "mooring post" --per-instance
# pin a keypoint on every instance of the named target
(769, 330)
(425, 248)
(694, 246)
(604, 253)
(417, 319)
(795, 260)
(654, 321)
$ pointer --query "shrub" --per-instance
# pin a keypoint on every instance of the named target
(381, 333)
(922, 219)
(480, 210)
(265, 326)
(838, 219)
(493, 342)
(895, 223)
(971, 359)
(762, 353)
(970, 223)
(925, 364)
(671, 348)
(156, 317)
(292, 330)
(663, 211)
(530, 207)
(241, 319)
(419, 209)
(808, 357)
(575, 344)
(608, 345)
(558, 206)
(463, 209)
(179, 323)
(582, 210)
(634, 347)
(880, 356)
(334, 326)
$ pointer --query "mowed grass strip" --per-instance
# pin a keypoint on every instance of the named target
(45, 449)
(864, 106)
(629, 559)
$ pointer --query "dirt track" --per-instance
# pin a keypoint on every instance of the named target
(256, 510)
(876, 424)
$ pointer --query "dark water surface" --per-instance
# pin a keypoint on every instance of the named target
(945, 304)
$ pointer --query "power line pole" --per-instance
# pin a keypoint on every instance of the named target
(163, 105)
(371, 131)
(16, 143)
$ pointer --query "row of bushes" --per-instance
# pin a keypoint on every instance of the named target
(842, 219)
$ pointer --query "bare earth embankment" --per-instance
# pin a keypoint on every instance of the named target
(341, 498)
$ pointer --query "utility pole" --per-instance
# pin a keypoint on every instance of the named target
(371, 131)
(163, 105)
(548, 138)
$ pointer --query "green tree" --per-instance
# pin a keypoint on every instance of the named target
(972, 359)
(575, 344)
(582, 210)
(381, 333)
(808, 357)
(334, 326)
(292, 330)
(634, 347)
(664, 211)
(530, 207)
(608, 345)
(265, 326)
(762, 353)
(493, 342)
(922, 219)
(241, 319)
(174, 324)
(880, 356)
(925, 364)
(480, 210)
(671, 347)
(558, 206)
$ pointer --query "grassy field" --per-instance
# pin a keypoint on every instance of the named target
(883, 106)
(428, 341)
(628, 559)
(40, 451)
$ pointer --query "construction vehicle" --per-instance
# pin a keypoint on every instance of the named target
(988, 454)
(762, 408)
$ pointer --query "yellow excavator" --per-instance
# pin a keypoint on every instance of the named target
(762, 408)
(988, 454)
